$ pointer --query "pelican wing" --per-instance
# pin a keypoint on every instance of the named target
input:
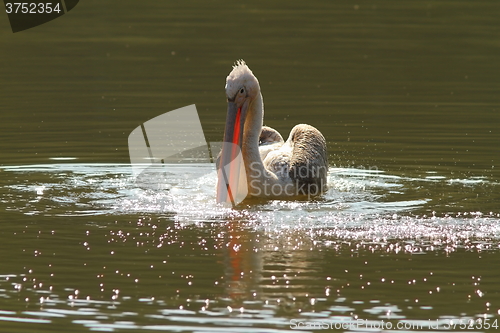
(309, 161)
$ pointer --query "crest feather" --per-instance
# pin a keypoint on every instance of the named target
(239, 63)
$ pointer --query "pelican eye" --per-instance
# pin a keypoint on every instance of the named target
(242, 91)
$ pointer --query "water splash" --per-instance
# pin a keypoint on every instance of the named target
(360, 204)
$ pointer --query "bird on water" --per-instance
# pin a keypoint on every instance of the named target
(255, 160)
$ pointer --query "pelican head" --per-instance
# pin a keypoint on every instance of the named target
(241, 77)
(242, 88)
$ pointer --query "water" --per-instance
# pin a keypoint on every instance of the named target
(93, 249)
(409, 232)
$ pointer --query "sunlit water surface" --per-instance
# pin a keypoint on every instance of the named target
(108, 255)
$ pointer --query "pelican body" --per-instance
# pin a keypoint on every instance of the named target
(255, 160)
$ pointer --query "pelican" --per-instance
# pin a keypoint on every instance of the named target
(255, 160)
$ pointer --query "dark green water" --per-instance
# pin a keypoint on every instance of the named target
(406, 94)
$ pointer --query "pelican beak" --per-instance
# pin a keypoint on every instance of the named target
(229, 185)
(235, 120)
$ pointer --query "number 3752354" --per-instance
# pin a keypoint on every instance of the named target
(31, 8)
